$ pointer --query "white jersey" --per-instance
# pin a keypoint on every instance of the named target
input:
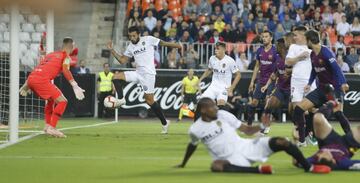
(302, 69)
(143, 53)
(219, 136)
(222, 70)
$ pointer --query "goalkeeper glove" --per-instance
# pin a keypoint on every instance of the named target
(79, 92)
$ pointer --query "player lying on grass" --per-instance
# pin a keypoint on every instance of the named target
(231, 153)
(335, 150)
(39, 81)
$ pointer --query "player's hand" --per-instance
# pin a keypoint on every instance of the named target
(304, 55)
(110, 45)
(24, 90)
(230, 91)
(251, 87)
(179, 166)
(264, 88)
(307, 88)
(79, 92)
(345, 87)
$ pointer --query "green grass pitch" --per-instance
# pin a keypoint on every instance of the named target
(135, 151)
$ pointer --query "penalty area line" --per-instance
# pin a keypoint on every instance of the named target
(27, 137)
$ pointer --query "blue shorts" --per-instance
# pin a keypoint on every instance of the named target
(318, 97)
(282, 95)
(346, 140)
(260, 95)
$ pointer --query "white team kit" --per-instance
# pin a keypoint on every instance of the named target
(143, 53)
(221, 79)
(223, 143)
(300, 73)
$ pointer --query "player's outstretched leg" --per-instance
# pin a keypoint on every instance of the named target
(226, 166)
(282, 144)
(155, 107)
(119, 83)
(251, 109)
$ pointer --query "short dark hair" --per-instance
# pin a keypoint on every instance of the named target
(312, 36)
(266, 31)
(289, 34)
(134, 29)
(106, 64)
(301, 28)
(222, 44)
(203, 102)
(68, 40)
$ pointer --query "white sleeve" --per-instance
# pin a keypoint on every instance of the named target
(153, 40)
(291, 53)
(193, 139)
(229, 118)
(210, 66)
(234, 67)
(128, 52)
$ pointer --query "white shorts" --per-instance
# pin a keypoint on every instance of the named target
(297, 89)
(216, 93)
(146, 81)
(257, 150)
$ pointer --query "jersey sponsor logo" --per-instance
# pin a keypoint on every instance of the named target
(353, 97)
(331, 60)
(168, 97)
(219, 71)
(141, 50)
(319, 69)
(212, 135)
(265, 62)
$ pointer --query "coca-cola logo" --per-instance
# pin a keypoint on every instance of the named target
(167, 97)
(353, 97)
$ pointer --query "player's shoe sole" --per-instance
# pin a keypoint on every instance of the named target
(320, 169)
(265, 169)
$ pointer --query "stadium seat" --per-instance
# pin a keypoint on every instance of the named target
(6, 36)
(35, 47)
(5, 18)
(347, 39)
(3, 27)
(23, 48)
(27, 27)
(1, 37)
(250, 37)
(40, 28)
(21, 18)
(25, 37)
(34, 19)
(36, 37)
(4, 47)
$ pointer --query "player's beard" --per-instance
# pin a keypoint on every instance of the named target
(136, 41)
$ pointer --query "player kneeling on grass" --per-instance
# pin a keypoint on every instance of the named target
(231, 153)
(39, 81)
(335, 150)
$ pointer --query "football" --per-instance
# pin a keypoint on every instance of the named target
(110, 102)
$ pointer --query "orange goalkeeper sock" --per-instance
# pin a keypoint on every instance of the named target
(57, 113)
(48, 110)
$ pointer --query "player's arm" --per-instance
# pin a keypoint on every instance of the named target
(205, 74)
(339, 75)
(170, 44)
(235, 82)
(272, 78)
(79, 92)
(291, 59)
(251, 130)
(253, 77)
(189, 151)
(122, 59)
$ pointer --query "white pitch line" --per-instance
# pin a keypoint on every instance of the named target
(2, 146)
(24, 131)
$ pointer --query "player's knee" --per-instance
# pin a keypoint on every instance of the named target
(218, 165)
(318, 118)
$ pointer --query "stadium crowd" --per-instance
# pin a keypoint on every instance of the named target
(239, 22)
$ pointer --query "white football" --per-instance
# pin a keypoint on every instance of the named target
(110, 102)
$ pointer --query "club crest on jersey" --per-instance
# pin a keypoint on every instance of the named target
(143, 43)
(321, 61)
(218, 123)
(224, 65)
(270, 57)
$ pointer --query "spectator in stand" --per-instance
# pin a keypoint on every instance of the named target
(302, 20)
(341, 52)
(310, 10)
(210, 31)
(339, 13)
(327, 17)
(298, 4)
(142, 27)
(173, 28)
(204, 8)
(145, 33)
(152, 9)
(192, 19)
(343, 27)
(239, 34)
(260, 22)
(150, 21)
(195, 29)
(135, 20)
(190, 8)
(182, 28)
(355, 27)
(250, 23)
(271, 12)
(279, 32)
(173, 58)
(230, 5)
(190, 57)
(352, 57)
(240, 58)
(343, 65)
(288, 23)
(352, 11)
(162, 13)
(217, 11)
(201, 38)
(281, 6)
(216, 38)
(168, 21)
(340, 44)
(244, 7)
(228, 16)
(357, 67)
(234, 22)
(316, 22)
(227, 34)
(82, 69)
(159, 28)
(219, 25)
(325, 39)
(273, 23)
(135, 8)
(186, 38)
(171, 36)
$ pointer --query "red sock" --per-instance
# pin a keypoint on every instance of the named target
(49, 107)
(57, 113)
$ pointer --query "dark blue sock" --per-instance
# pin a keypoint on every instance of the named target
(300, 122)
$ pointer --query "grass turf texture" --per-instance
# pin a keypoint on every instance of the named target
(135, 151)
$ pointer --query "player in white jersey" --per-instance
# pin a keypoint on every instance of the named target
(298, 57)
(223, 67)
(142, 49)
(217, 130)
